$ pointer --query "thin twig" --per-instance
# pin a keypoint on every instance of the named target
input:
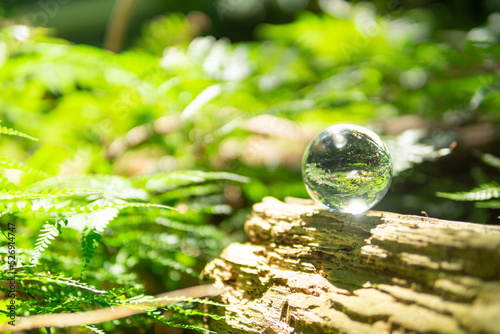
(109, 313)
(118, 24)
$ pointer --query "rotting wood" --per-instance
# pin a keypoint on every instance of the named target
(307, 270)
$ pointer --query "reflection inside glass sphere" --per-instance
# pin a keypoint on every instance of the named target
(347, 168)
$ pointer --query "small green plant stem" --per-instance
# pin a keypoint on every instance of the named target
(110, 313)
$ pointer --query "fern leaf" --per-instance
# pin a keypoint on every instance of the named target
(116, 186)
(154, 256)
(160, 317)
(481, 193)
(11, 164)
(141, 205)
(164, 261)
(11, 132)
(152, 300)
(96, 221)
(54, 193)
(193, 312)
(90, 242)
(165, 181)
(204, 230)
(49, 232)
(494, 204)
(94, 329)
(94, 224)
(214, 209)
(62, 209)
(5, 183)
(58, 279)
(195, 190)
(204, 301)
(491, 160)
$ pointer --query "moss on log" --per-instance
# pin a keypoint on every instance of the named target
(307, 270)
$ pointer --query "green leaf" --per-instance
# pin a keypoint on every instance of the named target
(11, 164)
(49, 232)
(94, 329)
(89, 243)
(166, 181)
(58, 279)
(12, 132)
(109, 185)
(489, 204)
(160, 317)
(491, 160)
(13, 195)
(481, 193)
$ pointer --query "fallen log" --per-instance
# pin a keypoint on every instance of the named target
(308, 270)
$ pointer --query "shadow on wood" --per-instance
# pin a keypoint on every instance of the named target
(307, 270)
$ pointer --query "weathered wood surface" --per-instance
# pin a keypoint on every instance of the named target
(306, 270)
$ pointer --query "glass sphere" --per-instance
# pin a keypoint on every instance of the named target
(347, 168)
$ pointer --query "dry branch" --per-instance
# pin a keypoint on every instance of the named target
(307, 270)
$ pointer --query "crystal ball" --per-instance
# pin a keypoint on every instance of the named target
(347, 168)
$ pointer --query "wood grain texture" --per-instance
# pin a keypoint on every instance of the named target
(307, 270)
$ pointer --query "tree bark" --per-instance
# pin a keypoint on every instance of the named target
(307, 270)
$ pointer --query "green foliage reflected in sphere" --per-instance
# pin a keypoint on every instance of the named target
(347, 168)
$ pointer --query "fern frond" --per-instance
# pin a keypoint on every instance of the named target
(168, 243)
(116, 186)
(96, 221)
(193, 312)
(152, 300)
(139, 299)
(11, 195)
(94, 224)
(6, 184)
(159, 241)
(94, 329)
(58, 279)
(24, 206)
(203, 230)
(11, 164)
(189, 191)
(495, 204)
(49, 232)
(141, 205)
(481, 193)
(163, 261)
(214, 209)
(160, 317)
(90, 242)
(491, 160)
(204, 301)
(11, 132)
(165, 181)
